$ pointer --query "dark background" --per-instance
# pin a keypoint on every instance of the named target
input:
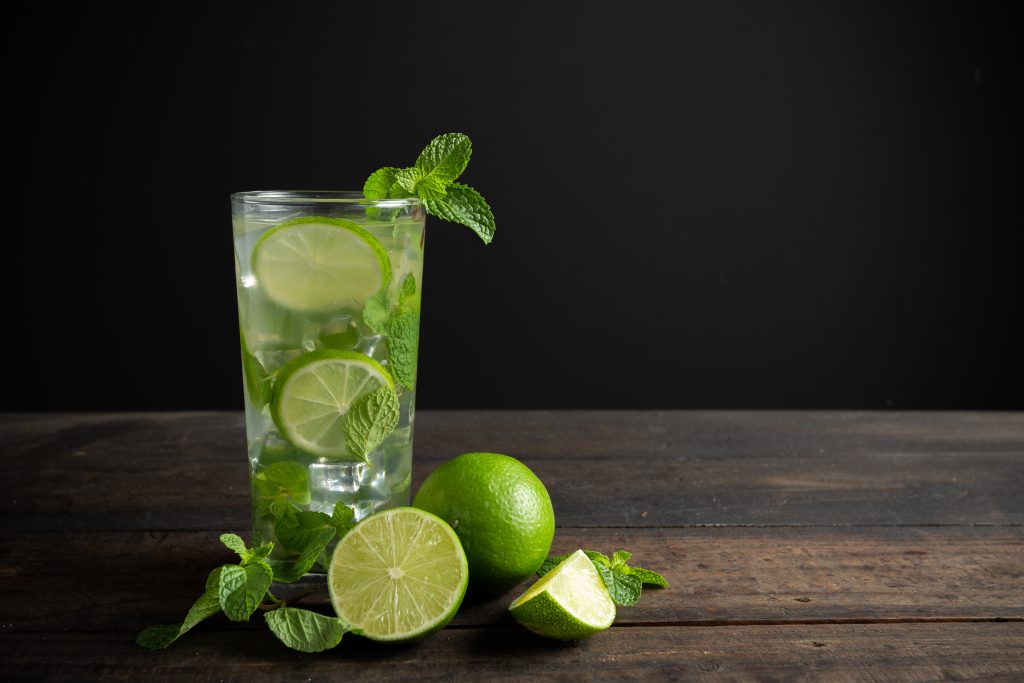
(699, 205)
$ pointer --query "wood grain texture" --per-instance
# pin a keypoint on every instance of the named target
(800, 546)
(878, 652)
(683, 468)
(722, 575)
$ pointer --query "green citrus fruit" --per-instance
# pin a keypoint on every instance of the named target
(313, 392)
(317, 265)
(501, 512)
(398, 575)
(568, 603)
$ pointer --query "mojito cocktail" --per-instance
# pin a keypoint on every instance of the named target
(328, 302)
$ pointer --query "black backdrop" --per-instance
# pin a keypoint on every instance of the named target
(715, 204)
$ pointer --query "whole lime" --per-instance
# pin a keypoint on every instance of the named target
(501, 513)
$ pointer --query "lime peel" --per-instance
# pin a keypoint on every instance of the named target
(568, 603)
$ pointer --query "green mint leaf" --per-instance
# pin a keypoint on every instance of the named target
(306, 631)
(378, 185)
(242, 589)
(647, 576)
(408, 302)
(305, 527)
(598, 558)
(462, 204)
(550, 563)
(261, 551)
(280, 483)
(235, 542)
(158, 637)
(403, 337)
(407, 179)
(370, 420)
(619, 558)
(444, 159)
(208, 604)
(343, 518)
(304, 532)
(624, 589)
(376, 312)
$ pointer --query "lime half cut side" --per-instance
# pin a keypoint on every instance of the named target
(313, 392)
(319, 265)
(398, 575)
(568, 603)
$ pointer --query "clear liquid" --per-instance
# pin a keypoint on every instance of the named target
(272, 335)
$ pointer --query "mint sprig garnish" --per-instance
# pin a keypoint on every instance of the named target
(624, 583)
(238, 590)
(432, 179)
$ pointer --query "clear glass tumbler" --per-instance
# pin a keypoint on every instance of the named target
(328, 304)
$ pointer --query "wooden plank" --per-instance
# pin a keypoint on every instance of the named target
(876, 652)
(720, 575)
(140, 471)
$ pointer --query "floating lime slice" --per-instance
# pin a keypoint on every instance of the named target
(313, 393)
(568, 603)
(318, 265)
(398, 575)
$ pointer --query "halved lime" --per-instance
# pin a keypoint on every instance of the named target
(568, 603)
(313, 392)
(399, 574)
(318, 265)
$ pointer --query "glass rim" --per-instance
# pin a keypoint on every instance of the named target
(319, 197)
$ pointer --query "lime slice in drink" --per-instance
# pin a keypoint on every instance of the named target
(313, 392)
(317, 265)
(568, 603)
(399, 574)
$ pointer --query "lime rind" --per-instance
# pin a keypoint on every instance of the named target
(399, 575)
(568, 603)
(318, 264)
(313, 392)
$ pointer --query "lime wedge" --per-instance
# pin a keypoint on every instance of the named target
(313, 392)
(318, 265)
(398, 575)
(568, 603)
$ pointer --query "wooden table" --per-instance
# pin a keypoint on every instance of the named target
(799, 545)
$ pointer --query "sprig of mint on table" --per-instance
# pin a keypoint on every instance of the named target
(432, 179)
(238, 590)
(624, 583)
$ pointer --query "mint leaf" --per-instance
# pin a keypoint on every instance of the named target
(282, 483)
(598, 558)
(407, 300)
(159, 637)
(260, 552)
(208, 604)
(407, 178)
(647, 576)
(624, 589)
(462, 204)
(375, 312)
(404, 334)
(343, 518)
(242, 589)
(305, 527)
(444, 159)
(619, 558)
(378, 185)
(235, 542)
(370, 420)
(306, 631)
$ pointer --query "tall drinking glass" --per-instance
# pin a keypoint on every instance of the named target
(328, 305)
